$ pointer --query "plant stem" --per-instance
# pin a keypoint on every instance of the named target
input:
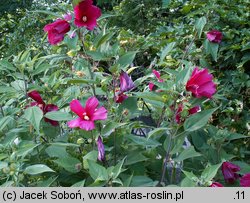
(2, 110)
(166, 159)
(161, 117)
(89, 69)
(115, 158)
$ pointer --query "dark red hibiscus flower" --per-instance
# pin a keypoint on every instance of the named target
(86, 14)
(245, 180)
(57, 30)
(201, 83)
(44, 107)
(214, 36)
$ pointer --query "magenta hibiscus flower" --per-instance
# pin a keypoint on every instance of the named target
(57, 30)
(216, 184)
(201, 83)
(87, 115)
(158, 76)
(44, 107)
(229, 171)
(214, 36)
(245, 180)
(86, 14)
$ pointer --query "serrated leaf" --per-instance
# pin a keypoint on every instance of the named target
(34, 115)
(211, 48)
(199, 25)
(37, 169)
(97, 172)
(125, 60)
(210, 172)
(198, 120)
(58, 116)
(118, 169)
(167, 50)
(186, 154)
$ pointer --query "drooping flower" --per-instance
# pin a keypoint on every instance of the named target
(120, 97)
(43, 106)
(216, 184)
(214, 36)
(201, 83)
(157, 74)
(126, 84)
(191, 111)
(245, 180)
(87, 115)
(86, 14)
(101, 149)
(229, 171)
(56, 31)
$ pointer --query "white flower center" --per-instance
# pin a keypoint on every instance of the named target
(86, 118)
(84, 18)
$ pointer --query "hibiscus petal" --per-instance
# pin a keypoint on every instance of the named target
(74, 123)
(91, 105)
(50, 107)
(151, 86)
(77, 108)
(36, 96)
(100, 114)
(87, 125)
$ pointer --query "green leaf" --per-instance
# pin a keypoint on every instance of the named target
(143, 141)
(69, 164)
(190, 176)
(4, 64)
(97, 172)
(199, 25)
(211, 48)
(157, 132)
(198, 120)
(104, 39)
(210, 172)
(58, 116)
(149, 95)
(135, 158)
(118, 169)
(79, 184)
(90, 156)
(3, 164)
(187, 153)
(167, 50)
(5, 121)
(34, 115)
(125, 60)
(25, 147)
(46, 182)
(165, 3)
(37, 169)
(142, 181)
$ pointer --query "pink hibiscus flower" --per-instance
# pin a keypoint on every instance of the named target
(87, 115)
(216, 184)
(56, 31)
(201, 83)
(214, 36)
(86, 14)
